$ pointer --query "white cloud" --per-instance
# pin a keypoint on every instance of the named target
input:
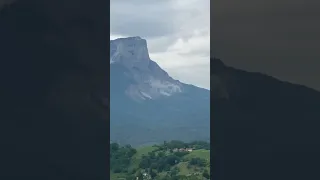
(179, 39)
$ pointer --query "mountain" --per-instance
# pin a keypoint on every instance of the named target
(263, 128)
(149, 106)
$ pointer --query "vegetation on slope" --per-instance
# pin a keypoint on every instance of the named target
(173, 160)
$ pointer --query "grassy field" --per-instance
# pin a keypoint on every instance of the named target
(183, 166)
(135, 161)
(116, 176)
(144, 151)
(184, 169)
(140, 152)
(200, 153)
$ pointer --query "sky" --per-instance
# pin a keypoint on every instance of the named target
(276, 37)
(177, 34)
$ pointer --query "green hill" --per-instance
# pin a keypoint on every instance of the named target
(173, 160)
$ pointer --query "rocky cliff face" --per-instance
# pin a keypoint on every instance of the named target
(149, 81)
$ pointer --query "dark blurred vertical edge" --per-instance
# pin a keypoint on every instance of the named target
(216, 130)
(54, 119)
(213, 151)
(107, 27)
(283, 142)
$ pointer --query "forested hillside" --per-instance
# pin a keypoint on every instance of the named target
(173, 160)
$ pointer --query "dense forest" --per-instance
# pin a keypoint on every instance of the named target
(174, 160)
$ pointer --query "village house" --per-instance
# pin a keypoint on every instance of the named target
(182, 150)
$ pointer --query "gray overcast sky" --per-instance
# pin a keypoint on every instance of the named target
(276, 37)
(177, 32)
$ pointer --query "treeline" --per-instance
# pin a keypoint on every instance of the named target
(162, 160)
(180, 144)
(120, 157)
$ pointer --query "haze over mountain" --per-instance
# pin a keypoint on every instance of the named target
(263, 128)
(149, 106)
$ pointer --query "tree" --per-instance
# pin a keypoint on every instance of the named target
(176, 144)
(139, 175)
(161, 154)
(174, 171)
(120, 157)
(182, 177)
(206, 174)
(181, 154)
(197, 162)
(154, 166)
(114, 147)
(133, 171)
(153, 174)
(167, 167)
(152, 155)
(145, 163)
(172, 160)
(193, 178)
(117, 170)
(131, 177)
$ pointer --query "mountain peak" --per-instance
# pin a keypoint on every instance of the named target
(148, 79)
(130, 51)
(132, 38)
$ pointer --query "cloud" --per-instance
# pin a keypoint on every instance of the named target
(177, 32)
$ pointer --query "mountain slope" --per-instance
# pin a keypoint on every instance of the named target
(146, 101)
(263, 128)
